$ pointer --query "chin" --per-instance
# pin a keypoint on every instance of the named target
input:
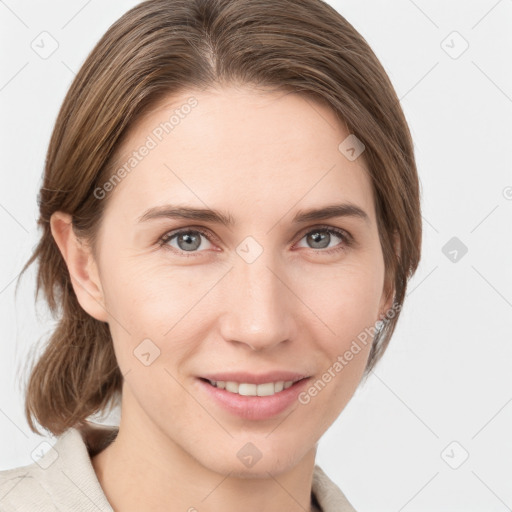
(256, 458)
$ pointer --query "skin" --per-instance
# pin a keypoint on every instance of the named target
(260, 156)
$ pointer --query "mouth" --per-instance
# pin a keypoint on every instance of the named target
(260, 400)
(252, 389)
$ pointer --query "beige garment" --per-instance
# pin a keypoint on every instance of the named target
(63, 479)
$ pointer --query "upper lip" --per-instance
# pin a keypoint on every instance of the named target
(252, 378)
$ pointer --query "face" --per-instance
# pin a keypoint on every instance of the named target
(255, 292)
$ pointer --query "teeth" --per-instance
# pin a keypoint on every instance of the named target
(245, 389)
(231, 387)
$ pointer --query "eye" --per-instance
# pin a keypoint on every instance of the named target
(189, 240)
(321, 237)
(186, 240)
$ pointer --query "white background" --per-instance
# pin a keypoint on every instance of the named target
(447, 373)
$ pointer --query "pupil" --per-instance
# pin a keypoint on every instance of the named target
(319, 238)
(189, 239)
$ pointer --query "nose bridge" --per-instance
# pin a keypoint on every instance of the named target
(257, 308)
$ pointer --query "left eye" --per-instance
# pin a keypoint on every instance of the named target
(190, 240)
(322, 237)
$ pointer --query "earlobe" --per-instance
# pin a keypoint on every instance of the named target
(81, 266)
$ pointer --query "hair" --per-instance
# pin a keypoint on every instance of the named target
(163, 47)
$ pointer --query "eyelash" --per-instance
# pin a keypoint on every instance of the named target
(347, 240)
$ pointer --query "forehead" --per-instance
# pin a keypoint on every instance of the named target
(237, 149)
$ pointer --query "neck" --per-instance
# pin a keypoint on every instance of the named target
(143, 469)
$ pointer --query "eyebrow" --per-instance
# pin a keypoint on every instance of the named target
(217, 217)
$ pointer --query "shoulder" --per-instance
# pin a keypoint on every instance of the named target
(20, 489)
(62, 479)
(328, 494)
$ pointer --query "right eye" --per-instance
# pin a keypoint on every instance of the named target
(186, 240)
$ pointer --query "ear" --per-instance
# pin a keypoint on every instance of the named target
(388, 292)
(81, 266)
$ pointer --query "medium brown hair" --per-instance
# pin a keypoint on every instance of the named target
(160, 48)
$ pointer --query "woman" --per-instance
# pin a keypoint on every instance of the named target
(230, 214)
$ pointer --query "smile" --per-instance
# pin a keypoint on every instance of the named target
(247, 389)
(254, 401)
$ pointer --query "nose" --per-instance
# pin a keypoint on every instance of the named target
(258, 306)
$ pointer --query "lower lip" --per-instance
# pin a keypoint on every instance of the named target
(255, 407)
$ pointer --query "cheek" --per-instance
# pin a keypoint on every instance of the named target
(348, 307)
(155, 303)
(346, 299)
(149, 292)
